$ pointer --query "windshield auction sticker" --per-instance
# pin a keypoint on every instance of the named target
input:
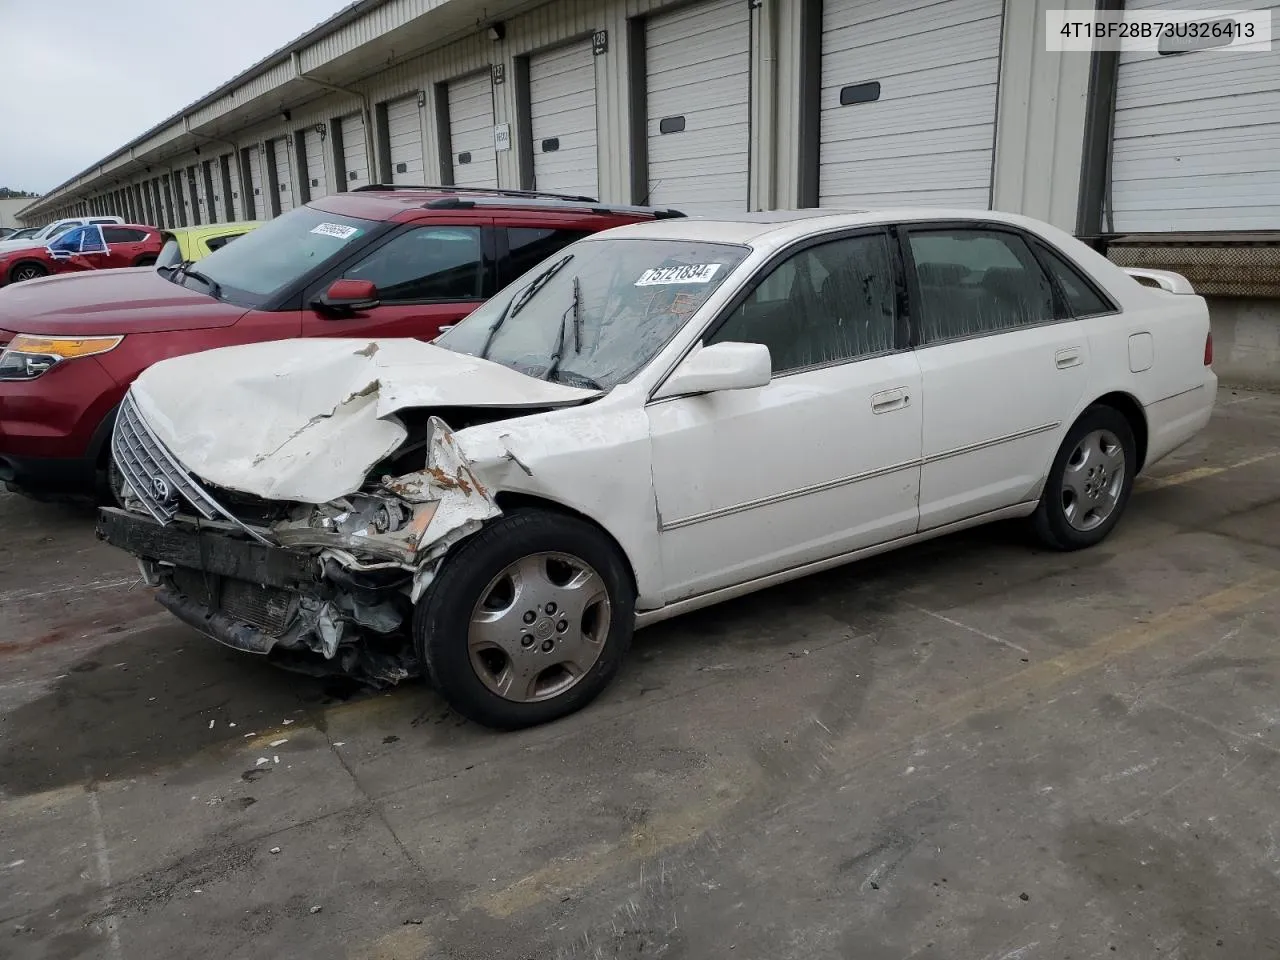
(688, 273)
(338, 230)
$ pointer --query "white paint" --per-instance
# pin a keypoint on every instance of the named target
(261, 202)
(974, 630)
(716, 495)
(104, 872)
(562, 115)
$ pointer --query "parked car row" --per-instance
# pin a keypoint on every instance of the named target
(482, 436)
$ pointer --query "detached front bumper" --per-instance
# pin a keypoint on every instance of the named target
(269, 600)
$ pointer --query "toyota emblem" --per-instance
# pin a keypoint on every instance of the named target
(160, 488)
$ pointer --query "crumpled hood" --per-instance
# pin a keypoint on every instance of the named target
(305, 420)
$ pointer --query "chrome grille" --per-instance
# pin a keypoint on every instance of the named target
(157, 479)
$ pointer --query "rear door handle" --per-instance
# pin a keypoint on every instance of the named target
(1069, 357)
(887, 400)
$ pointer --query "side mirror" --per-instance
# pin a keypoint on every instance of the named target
(721, 366)
(345, 297)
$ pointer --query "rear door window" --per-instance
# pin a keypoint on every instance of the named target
(123, 235)
(974, 281)
(529, 246)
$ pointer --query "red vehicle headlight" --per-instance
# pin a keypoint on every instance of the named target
(27, 357)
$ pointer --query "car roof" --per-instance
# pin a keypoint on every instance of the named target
(783, 226)
(383, 202)
(212, 229)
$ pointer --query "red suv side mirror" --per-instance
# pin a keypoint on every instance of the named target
(345, 297)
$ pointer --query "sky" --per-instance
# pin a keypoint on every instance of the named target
(80, 78)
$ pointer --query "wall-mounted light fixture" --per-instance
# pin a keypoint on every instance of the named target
(422, 98)
(322, 130)
(287, 115)
(497, 31)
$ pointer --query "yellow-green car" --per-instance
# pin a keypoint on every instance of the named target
(185, 244)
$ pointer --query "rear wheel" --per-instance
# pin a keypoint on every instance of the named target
(528, 621)
(27, 271)
(1089, 483)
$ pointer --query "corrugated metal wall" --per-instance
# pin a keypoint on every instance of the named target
(1039, 130)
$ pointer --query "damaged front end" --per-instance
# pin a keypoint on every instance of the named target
(327, 588)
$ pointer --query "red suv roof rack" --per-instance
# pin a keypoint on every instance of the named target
(485, 191)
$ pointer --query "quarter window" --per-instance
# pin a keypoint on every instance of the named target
(216, 243)
(973, 282)
(426, 263)
(826, 304)
(1083, 300)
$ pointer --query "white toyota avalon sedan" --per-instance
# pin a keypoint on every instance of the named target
(660, 417)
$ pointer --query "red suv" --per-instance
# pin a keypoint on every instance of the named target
(90, 247)
(375, 262)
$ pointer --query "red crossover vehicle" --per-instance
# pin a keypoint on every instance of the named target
(375, 262)
(90, 247)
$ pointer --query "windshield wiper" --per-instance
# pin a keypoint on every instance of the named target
(575, 308)
(520, 300)
(215, 289)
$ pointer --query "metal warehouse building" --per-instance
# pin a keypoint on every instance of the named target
(715, 106)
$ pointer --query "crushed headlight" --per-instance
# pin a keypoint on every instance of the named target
(27, 357)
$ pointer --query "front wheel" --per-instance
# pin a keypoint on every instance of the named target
(528, 621)
(1089, 483)
(27, 271)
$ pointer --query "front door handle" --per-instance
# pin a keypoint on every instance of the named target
(1069, 357)
(887, 400)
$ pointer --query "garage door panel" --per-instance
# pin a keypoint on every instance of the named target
(861, 146)
(284, 176)
(929, 137)
(870, 24)
(471, 124)
(354, 152)
(404, 139)
(317, 177)
(1196, 140)
(698, 63)
(562, 114)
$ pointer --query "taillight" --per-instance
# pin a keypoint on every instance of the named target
(1208, 349)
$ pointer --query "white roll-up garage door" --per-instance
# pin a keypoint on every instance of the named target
(404, 138)
(279, 149)
(355, 159)
(261, 202)
(317, 179)
(195, 178)
(908, 109)
(562, 114)
(217, 201)
(235, 202)
(1196, 144)
(475, 163)
(698, 87)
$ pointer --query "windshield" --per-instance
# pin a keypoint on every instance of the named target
(55, 230)
(599, 310)
(267, 259)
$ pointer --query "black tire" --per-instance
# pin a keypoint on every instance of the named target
(26, 271)
(442, 621)
(1051, 520)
